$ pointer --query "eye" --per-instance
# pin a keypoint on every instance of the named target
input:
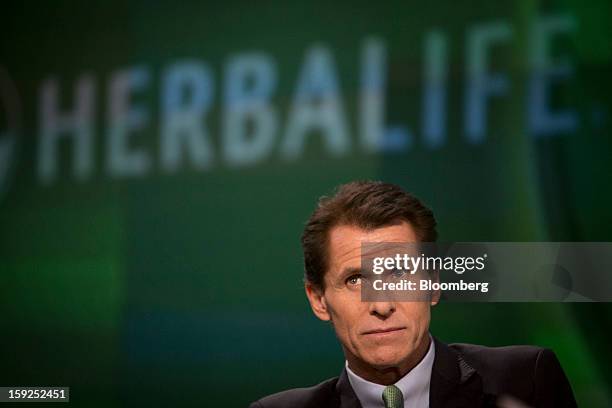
(398, 273)
(353, 280)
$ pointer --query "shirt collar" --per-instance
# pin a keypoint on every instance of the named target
(414, 385)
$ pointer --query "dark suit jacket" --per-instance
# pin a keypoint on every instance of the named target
(463, 375)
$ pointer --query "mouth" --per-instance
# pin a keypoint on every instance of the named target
(384, 332)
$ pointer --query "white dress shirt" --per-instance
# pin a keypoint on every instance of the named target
(414, 385)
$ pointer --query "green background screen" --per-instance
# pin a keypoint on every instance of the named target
(158, 162)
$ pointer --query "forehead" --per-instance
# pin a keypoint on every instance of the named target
(345, 242)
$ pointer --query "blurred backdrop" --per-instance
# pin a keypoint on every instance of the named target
(158, 161)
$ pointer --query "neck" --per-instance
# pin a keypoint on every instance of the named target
(388, 375)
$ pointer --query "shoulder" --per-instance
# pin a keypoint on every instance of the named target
(503, 370)
(320, 395)
(514, 358)
(529, 372)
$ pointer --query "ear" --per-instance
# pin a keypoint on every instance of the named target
(316, 297)
(435, 295)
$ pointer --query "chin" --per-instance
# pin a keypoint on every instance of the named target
(386, 357)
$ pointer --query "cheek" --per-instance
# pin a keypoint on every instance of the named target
(417, 315)
(414, 310)
(345, 319)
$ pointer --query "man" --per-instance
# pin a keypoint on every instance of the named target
(391, 359)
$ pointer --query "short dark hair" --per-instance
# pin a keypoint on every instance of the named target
(365, 204)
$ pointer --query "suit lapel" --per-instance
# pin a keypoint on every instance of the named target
(454, 383)
(347, 397)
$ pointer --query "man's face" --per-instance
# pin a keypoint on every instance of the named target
(379, 334)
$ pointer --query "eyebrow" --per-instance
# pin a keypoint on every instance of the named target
(349, 271)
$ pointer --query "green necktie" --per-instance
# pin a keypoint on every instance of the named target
(393, 397)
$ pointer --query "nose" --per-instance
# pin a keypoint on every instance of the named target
(382, 309)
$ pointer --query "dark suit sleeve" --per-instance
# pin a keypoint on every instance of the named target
(552, 389)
